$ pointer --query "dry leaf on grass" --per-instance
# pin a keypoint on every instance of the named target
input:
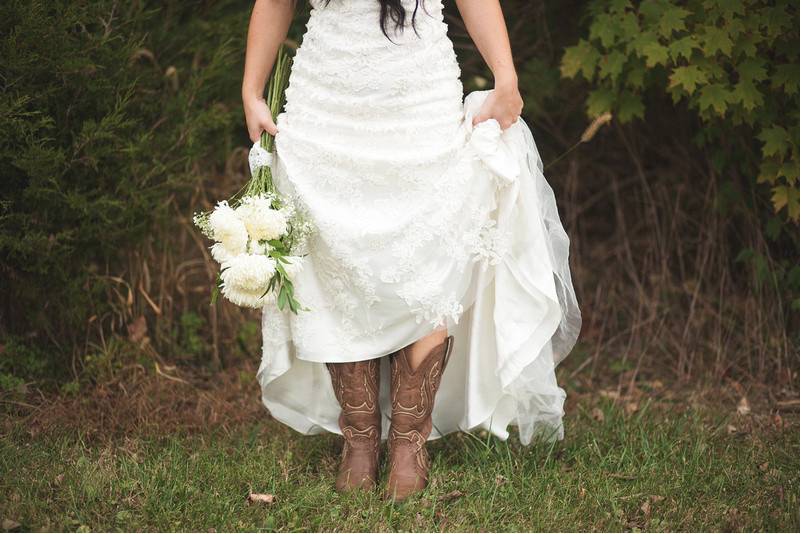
(261, 498)
(743, 407)
(597, 414)
(455, 494)
(609, 394)
(731, 429)
(137, 330)
(10, 524)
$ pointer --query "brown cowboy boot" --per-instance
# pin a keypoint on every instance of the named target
(413, 393)
(356, 389)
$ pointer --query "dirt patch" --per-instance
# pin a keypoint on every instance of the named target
(146, 404)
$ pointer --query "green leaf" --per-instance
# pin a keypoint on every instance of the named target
(746, 93)
(727, 8)
(582, 57)
(714, 96)
(786, 77)
(768, 172)
(629, 25)
(716, 40)
(652, 10)
(789, 171)
(683, 48)
(600, 101)
(630, 106)
(612, 65)
(775, 141)
(620, 6)
(786, 197)
(752, 69)
(688, 78)
(655, 54)
(282, 298)
(672, 20)
(603, 29)
(635, 78)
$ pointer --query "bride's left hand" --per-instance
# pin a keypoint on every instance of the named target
(504, 104)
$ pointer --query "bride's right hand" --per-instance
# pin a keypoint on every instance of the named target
(258, 118)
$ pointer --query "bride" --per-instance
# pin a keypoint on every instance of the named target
(437, 267)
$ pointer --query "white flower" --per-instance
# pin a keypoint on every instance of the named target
(221, 254)
(293, 265)
(258, 248)
(261, 221)
(245, 279)
(248, 299)
(228, 229)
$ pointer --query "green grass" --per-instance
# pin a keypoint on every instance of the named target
(658, 469)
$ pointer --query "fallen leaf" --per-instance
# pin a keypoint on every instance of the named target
(646, 507)
(10, 524)
(455, 494)
(263, 498)
(631, 407)
(731, 429)
(778, 422)
(597, 414)
(137, 330)
(657, 498)
(656, 384)
(743, 407)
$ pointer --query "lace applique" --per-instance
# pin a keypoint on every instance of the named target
(488, 243)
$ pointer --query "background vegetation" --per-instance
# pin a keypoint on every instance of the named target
(119, 120)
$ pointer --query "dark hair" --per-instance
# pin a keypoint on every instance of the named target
(392, 11)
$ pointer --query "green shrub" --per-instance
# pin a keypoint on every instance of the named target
(107, 112)
(735, 64)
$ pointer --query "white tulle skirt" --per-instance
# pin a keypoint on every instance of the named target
(421, 222)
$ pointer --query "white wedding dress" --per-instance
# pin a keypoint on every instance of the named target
(421, 221)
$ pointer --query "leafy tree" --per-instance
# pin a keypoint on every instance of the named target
(734, 63)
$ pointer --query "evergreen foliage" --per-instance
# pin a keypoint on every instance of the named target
(107, 110)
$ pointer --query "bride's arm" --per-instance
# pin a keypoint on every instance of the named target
(486, 26)
(269, 23)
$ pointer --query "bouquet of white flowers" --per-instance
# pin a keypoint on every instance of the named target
(257, 233)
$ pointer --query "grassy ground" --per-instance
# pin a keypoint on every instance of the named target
(656, 460)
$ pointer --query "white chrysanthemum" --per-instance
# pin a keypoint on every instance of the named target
(293, 265)
(228, 229)
(258, 248)
(261, 221)
(245, 279)
(248, 299)
(222, 254)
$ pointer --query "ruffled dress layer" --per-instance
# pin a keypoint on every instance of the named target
(420, 222)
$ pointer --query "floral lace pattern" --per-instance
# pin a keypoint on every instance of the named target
(373, 144)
